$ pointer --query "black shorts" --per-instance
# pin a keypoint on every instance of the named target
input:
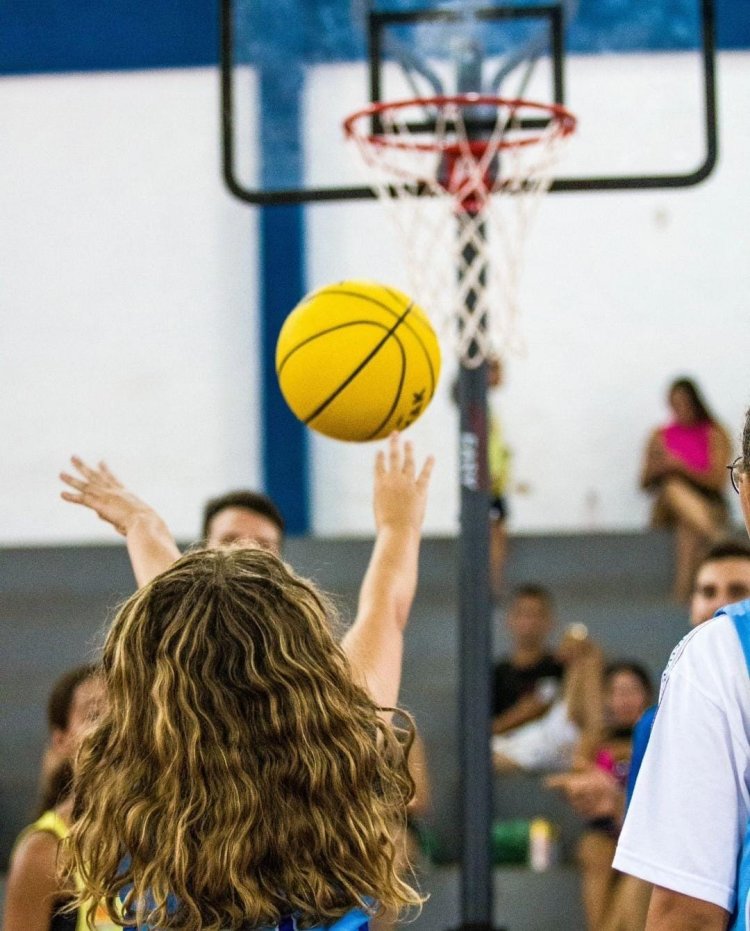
(499, 508)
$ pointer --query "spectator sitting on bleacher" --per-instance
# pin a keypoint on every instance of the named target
(723, 577)
(36, 892)
(684, 467)
(543, 702)
(527, 681)
(597, 792)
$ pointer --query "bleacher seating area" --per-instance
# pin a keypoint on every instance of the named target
(56, 601)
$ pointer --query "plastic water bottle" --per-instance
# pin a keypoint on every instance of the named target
(543, 845)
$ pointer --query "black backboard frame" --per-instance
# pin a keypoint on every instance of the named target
(378, 21)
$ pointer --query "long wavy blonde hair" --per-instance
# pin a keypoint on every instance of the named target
(238, 768)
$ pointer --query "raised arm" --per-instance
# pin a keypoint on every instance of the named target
(374, 643)
(151, 546)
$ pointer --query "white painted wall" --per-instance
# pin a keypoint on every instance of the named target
(621, 292)
(127, 324)
(127, 291)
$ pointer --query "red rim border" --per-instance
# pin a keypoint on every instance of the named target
(565, 120)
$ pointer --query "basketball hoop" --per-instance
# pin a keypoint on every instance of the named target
(461, 177)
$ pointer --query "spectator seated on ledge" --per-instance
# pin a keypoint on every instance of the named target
(543, 701)
(596, 791)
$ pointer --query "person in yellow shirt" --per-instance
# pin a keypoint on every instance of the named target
(36, 894)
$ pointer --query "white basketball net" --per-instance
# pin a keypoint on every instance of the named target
(464, 238)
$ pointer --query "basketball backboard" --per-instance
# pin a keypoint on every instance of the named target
(639, 77)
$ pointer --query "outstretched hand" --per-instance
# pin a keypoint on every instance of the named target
(375, 642)
(400, 494)
(97, 488)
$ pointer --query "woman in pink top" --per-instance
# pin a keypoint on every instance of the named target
(685, 466)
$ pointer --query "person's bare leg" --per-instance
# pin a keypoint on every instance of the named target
(691, 508)
(629, 905)
(595, 853)
(498, 555)
(689, 549)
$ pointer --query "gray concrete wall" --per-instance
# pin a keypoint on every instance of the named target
(55, 602)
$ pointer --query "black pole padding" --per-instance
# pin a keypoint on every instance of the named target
(474, 600)
(475, 652)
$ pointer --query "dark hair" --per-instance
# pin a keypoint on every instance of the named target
(58, 785)
(57, 788)
(635, 669)
(531, 590)
(729, 549)
(746, 443)
(61, 697)
(249, 500)
(697, 401)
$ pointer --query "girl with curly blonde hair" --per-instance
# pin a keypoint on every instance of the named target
(246, 773)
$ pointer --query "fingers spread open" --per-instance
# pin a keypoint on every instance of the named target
(69, 496)
(394, 451)
(424, 475)
(84, 469)
(408, 459)
(72, 481)
(108, 475)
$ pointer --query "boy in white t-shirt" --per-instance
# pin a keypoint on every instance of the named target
(687, 826)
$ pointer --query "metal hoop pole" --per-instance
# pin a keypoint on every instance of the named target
(475, 640)
(475, 635)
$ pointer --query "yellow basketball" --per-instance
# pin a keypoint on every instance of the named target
(357, 360)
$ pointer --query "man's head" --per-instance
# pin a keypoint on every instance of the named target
(530, 617)
(723, 577)
(246, 517)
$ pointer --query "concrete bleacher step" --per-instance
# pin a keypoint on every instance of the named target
(523, 900)
(56, 600)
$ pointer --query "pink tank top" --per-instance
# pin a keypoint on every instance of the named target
(689, 443)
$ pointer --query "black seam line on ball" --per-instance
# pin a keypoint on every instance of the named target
(396, 400)
(418, 338)
(342, 291)
(321, 407)
(320, 333)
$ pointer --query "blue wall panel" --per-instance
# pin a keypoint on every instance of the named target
(101, 35)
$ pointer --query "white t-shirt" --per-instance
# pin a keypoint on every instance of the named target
(689, 812)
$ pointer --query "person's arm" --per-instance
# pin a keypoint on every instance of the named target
(672, 911)
(374, 643)
(593, 793)
(32, 884)
(527, 708)
(151, 546)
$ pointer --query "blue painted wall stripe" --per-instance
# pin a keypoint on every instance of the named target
(284, 438)
(282, 284)
(39, 36)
